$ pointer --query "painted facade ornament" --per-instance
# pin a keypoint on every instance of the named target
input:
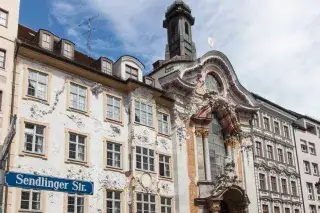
(147, 183)
(77, 173)
(202, 133)
(164, 143)
(97, 89)
(77, 120)
(182, 135)
(143, 138)
(113, 180)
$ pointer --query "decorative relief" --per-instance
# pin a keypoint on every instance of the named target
(97, 89)
(142, 138)
(164, 144)
(77, 120)
(182, 135)
(78, 173)
(113, 180)
(147, 183)
(202, 132)
(143, 93)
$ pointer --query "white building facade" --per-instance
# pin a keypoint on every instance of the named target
(307, 136)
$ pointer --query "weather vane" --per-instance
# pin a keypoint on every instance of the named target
(210, 42)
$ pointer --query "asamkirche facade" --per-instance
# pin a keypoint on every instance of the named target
(188, 137)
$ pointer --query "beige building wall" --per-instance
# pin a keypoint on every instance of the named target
(9, 16)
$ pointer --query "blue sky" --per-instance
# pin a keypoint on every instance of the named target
(273, 45)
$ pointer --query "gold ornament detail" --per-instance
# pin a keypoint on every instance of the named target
(232, 142)
(202, 132)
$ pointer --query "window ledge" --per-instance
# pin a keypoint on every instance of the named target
(120, 123)
(140, 124)
(164, 135)
(29, 211)
(170, 179)
(113, 169)
(86, 113)
(34, 155)
(141, 170)
(80, 163)
(31, 98)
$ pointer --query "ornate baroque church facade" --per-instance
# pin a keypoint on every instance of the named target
(187, 137)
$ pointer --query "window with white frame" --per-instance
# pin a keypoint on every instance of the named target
(306, 167)
(67, 50)
(143, 113)
(273, 184)
(30, 200)
(270, 152)
(75, 203)
(262, 180)
(284, 186)
(113, 108)
(290, 158)
(3, 18)
(144, 159)
(304, 147)
(163, 123)
(164, 166)
(315, 168)
(37, 84)
(312, 148)
(286, 210)
(78, 97)
(265, 209)
(166, 205)
(294, 188)
(313, 209)
(310, 191)
(255, 120)
(114, 155)
(77, 147)
(280, 155)
(286, 131)
(46, 41)
(2, 58)
(113, 201)
(258, 149)
(276, 209)
(266, 123)
(276, 127)
(296, 211)
(106, 67)
(146, 203)
(131, 72)
(34, 138)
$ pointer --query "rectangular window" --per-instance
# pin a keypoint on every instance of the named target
(304, 147)
(311, 128)
(163, 123)
(296, 211)
(258, 149)
(77, 147)
(294, 188)
(266, 123)
(3, 18)
(67, 50)
(273, 184)
(265, 209)
(310, 191)
(30, 200)
(145, 159)
(262, 179)
(113, 108)
(276, 127)
(78, 97)
(164, 166)
(143, 113)
(186, 28)
(166, 206)
(75, 203)
(286, 210)
(113, 201)
(114, 155)
(255, 120)
(286, 132)
(270, 152)
(306, 167)
(280, 155)
(312, 148)
(290, 159)
(276, 209)
(2, 58)
(315, 169)
(146, 203)
(132, 72)
(313, 209)
(34, 137)
(284, 186)
(37, 84)
(46, 41)
(106, 67)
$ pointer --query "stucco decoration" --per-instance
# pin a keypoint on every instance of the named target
(164, 144)
(96, 89)
(113, 180)
(79, 173)
(111, 130)
(77, 120)
(54, 197)
(37, 112)
(147, 183)
(182, 135)
(143, 93)
(37, 171)
(142, 138)
(166, 188)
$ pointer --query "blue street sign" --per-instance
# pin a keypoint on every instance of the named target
(47, 183)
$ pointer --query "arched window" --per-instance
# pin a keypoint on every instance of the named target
(211, 84)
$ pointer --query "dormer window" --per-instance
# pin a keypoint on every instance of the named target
(131, 72)
(46, 40)
(106, 67)
(67, 50)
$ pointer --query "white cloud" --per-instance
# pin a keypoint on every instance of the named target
(273, 45)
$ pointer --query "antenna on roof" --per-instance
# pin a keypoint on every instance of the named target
(88, 23)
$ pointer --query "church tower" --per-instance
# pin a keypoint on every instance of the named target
(178, 22)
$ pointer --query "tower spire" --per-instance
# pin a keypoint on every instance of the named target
(178, 22)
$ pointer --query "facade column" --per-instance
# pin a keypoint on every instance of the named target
(205, 134)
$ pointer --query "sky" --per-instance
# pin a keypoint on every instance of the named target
(274, 46)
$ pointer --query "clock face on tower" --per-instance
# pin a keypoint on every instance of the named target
(211, 84)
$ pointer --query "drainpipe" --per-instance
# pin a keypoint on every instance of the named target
(294, 139)
(18, 43)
